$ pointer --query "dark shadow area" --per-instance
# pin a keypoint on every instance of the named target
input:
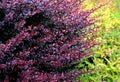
(7, 31)
(2, 14)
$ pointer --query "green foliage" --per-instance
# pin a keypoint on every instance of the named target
(106, 59)
(117, 13)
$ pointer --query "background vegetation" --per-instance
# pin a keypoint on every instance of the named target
(105, 62)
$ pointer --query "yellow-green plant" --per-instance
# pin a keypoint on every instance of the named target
(105, 62)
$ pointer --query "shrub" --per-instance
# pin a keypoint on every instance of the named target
(105, 63)
(41, 40)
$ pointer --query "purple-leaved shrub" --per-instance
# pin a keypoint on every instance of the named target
(41, 40)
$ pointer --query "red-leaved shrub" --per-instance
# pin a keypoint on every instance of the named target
(41, 40)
